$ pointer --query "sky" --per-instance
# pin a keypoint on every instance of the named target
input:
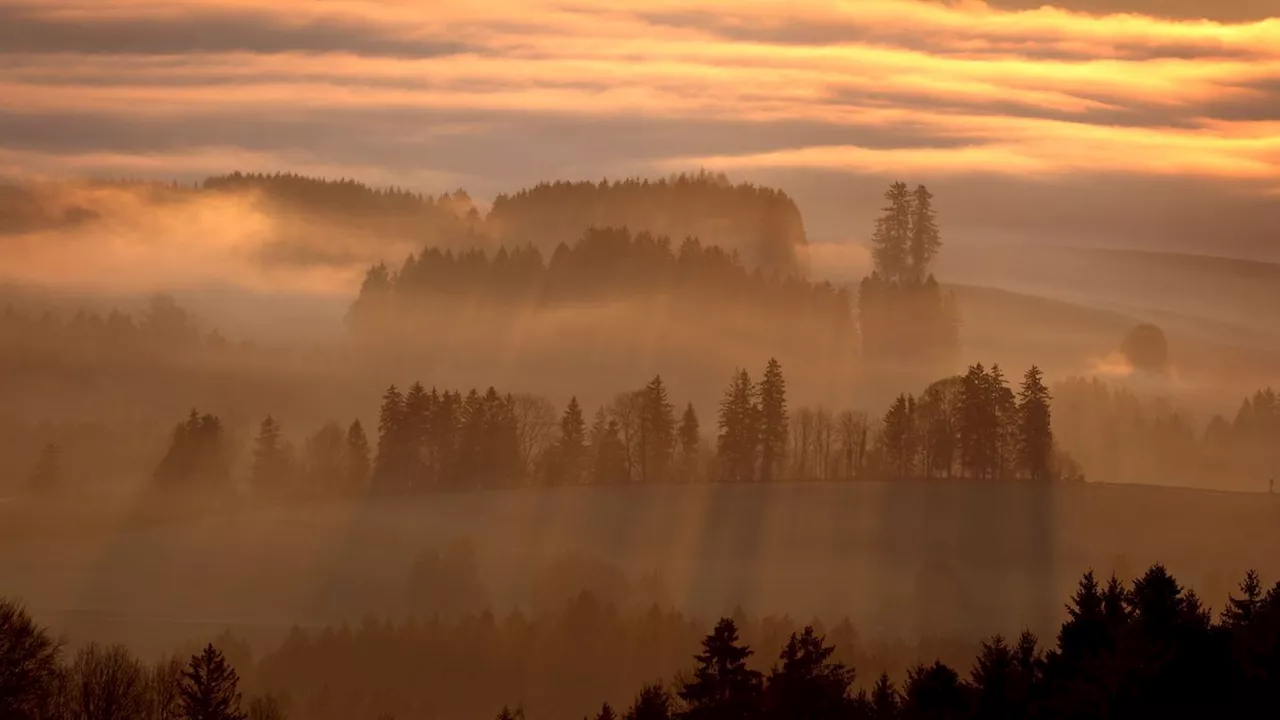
(1140, 123)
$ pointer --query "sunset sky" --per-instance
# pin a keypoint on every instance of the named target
(1152, 123)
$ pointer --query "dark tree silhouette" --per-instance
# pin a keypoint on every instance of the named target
(891, 243)
(899, 437)
(807, 684)
(1035, 431)
(722, 686)
(108, 683)
(925, 240)
(934, 692)
(29, 665)
(197, 456)
(390, 465)
(772, 394)
(653, 703)
(657, 433)
(690, 438)
(270, 465)
(569, 453)
(209, 688)
(738, 443)
(902, 312)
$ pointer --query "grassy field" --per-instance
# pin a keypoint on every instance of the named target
(899, 559)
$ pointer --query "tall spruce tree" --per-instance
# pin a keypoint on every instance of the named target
(690, 435)
(1035, 430)
(570, 451)
(209, 688)
(389, 463)
(976, 423)
(739, 438)
(807, 684)
(890, 244)
(898, 437)
(926, 240)
(657, 433)
(414, 429)
(1004, 419)
(772, 394)
(269, 459)
(722, 686)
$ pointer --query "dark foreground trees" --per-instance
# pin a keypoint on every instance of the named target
(29, 665)
(1149, 648)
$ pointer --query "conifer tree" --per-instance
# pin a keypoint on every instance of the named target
(1241, 612)
(934, 691)
(389, 462)
(1004, 421)
(653, 703)
(269, 466)
(886, 703)
(898, 437)
(413, 435)
(892, 238)
(739, 439)
(925, 240)
(570, 450)
(722, 686)
(657, 433)
(807, 684)
(977, 423)
(772, 394)
(1035, 431)
(357, 457)
(690, 444)
(209, 688)
(609, 452)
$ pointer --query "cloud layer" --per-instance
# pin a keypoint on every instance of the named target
(492, 95)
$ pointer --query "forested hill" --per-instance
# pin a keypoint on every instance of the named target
(763, 224)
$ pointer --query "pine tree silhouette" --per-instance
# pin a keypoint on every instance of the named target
(807, 684)
(722, 687)
(772, 394)
(209, 688)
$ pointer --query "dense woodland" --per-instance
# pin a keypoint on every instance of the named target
(1150, 648)
(603, 264)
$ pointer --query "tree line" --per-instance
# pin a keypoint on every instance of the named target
(432, 440)
(763, 224)
(1121, 437)
(603, 263)
(108, 682)
(163, 326)
(1147, 648)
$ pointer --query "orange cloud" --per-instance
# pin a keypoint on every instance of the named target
(1040, 92)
